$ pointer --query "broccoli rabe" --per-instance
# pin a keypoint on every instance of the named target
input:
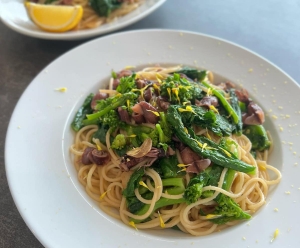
(167, 167)
(119, 142)
(193, 74)
(180, 90)
(126, 84)
(210, 176)
(111, 103)
(167, 130)
(228, 210)
(172, 186)
(258, 137)
(112, 119)
(85, 109)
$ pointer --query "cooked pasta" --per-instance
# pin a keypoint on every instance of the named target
(109, 182)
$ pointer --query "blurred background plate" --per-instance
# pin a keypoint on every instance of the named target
(13, 14)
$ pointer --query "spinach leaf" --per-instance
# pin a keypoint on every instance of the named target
(133, 183)
(104, 7)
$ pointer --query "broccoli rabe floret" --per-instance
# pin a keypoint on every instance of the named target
(153, 135)
(119, 142)
(126, 84)
(112, 119)
(180, 90)
(228, 210)
(210, 176)
(193, 73)
(258, 137)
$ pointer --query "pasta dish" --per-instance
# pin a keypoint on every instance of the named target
(171, 148)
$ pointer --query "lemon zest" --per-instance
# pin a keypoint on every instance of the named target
(128, 103)
(162, 224)
(226, 152)
(62, 89)
(204, 146)
(155, 86)
(176, 92)
(184, 169)
(103, 195)
(169, 92)
(262, 167)
(208, 136)
(212, 107)
(143, 184)
(187, 109)
(185, 130)
(98, 147)
(131, 223)
(209, 92)
(275, 235)
(212, 216)
(159, 76)
(199, 143)
(154, 112)
(182, 165)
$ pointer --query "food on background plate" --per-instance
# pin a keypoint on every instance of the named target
(170, 148)
(65, 15)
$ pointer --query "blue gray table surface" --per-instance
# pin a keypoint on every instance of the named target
(269, 28)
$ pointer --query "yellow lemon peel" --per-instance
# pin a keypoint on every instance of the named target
(143, 184)
(162, 223)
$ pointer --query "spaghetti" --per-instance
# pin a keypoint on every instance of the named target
(106, 183)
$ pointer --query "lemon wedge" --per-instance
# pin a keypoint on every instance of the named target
(54, 18)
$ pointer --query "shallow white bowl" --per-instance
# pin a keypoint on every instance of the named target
(44, 182)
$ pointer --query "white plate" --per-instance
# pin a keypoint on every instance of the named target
(41, 175)
(13, 14)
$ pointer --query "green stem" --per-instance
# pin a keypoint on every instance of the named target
(224, 102)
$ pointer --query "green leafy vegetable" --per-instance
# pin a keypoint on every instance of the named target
(111, 103)
(101, 133)
(119, 142)
(126, 84)
(210, 176)
(104, 7)
(85, 109)
(236, 107)
(258, 137)
(167, 167)
(206, 119)
(193, 73)
(216, 155)
(227, 209)
(224, 102)
(180, 90)
(133, 183)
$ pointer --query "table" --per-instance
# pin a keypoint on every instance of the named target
(269, 28)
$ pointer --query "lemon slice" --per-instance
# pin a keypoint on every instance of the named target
(54, 18)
